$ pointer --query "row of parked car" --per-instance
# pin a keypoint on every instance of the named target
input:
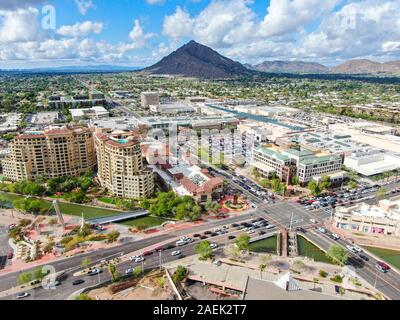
(248, 185)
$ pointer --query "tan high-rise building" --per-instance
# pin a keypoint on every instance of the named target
(61, 152)
(121, 168)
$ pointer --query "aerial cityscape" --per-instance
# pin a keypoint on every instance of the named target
(220, 150)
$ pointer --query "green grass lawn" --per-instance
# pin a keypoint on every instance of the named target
(390, 256)
(107, 200)
(70, 208)
(148, 221)
(308, 249)
(265, 246)
(91, 212)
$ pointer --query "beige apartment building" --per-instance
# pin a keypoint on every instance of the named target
(67, 151)
(121, 168)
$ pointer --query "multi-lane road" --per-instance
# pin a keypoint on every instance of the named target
(287, 214)
(66, 289)
(282, 214)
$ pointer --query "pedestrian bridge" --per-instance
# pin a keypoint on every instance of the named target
(119, 217)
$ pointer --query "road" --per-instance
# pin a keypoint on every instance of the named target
(287, 214)
(67, 288)
(9, 280)
(282, 214)
(388, 283)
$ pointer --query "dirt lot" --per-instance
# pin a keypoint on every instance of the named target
(149, 288)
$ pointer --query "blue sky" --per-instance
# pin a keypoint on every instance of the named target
(140, 32)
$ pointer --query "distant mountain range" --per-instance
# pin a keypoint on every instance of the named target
(96, 68)
(362, 66)
(365, 66)
(290, 67)
(197, 60)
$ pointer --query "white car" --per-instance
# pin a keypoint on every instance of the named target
(313, 221)
(133, 258)
(94, 272)
(129, 271)
(213, 246)
(176, 253)
(322, 230)
(23, 295)
(335, 236)
(358, 249)
(180, 243)
(351, 248)
(250, 231)
(139, 259)
(270, 226)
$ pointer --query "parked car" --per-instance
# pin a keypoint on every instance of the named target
(213, 246)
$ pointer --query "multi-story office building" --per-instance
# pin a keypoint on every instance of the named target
(121, 167)
(289, 163)
(67, 151)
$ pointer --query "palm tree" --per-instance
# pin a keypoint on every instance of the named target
(112, 269)
(86, 262)
(380, 194)
(262, 268)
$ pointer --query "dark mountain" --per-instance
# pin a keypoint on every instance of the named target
(198, 61)
(290, 67)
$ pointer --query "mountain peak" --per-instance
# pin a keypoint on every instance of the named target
(199, 61)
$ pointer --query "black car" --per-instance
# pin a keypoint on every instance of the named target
(231, 237)
(196, 235)
(262, 233)
(207, 232)
(78, 282)
(213, 234)
(301, 230)
(365, 258)
(203, 237)
(235, 225)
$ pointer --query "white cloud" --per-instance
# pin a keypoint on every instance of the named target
(19, 25)
(138, 36)
(151, 2)
(286, 16)
(14, 4)
(359, 29)
(84, 6)
(81, 29)
(179, 25)
(221, 24)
